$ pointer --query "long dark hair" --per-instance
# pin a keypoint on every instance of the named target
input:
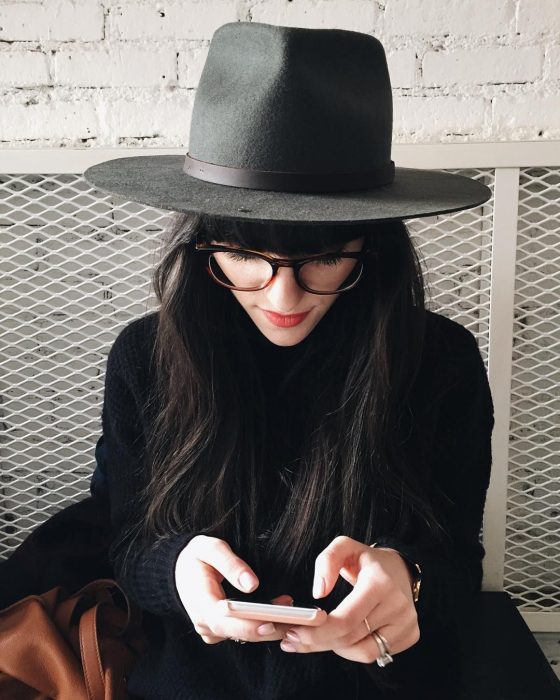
(205, 455)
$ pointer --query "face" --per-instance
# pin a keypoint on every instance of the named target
(284, 296)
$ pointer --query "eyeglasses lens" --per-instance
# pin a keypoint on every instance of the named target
(243, 271)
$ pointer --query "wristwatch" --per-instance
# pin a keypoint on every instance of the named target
(413, 567)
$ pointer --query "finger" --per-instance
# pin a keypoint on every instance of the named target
(362, 600)
(342, 552)
(221, 625)
(283, 599)
(218, 554)
(345, 624)
(367, 650)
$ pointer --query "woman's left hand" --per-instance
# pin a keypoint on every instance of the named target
(382, 594)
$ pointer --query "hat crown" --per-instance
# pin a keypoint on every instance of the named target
(282, 115)
(293, 100)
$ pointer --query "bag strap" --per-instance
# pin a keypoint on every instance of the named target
(119, 655)
(105, 615)
(64, 611)
(91, 658)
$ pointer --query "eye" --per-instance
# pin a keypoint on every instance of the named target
(240, 256)
(331, 260)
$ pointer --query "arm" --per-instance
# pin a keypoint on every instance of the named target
(460, 474)
(149, 575)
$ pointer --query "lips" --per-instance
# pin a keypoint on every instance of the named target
(285, 320)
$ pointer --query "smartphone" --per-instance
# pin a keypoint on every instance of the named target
(268, 612)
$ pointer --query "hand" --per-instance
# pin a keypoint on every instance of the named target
(382, 594)
(200, 569)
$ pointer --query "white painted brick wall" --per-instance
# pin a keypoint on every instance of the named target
(119, 65)
(355, 15)
(190, 19)
(464, 18)
(118, 72)
(23, 69)
(57, 21)
(479, 66)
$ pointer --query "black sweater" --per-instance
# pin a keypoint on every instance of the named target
(453, 421)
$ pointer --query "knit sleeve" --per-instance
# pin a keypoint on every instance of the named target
(460, 474)
(149, 575)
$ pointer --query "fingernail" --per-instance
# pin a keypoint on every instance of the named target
(246, 580)
(292, 636)
(286, 646)
(269, 628)
(318, 587)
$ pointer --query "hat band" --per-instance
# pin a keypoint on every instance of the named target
(288, 181)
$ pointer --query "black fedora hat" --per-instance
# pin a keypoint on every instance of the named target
(290, 125)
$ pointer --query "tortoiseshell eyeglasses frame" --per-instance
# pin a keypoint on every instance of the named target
(360, 255)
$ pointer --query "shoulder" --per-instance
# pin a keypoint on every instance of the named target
(451, 361)
(449, 342)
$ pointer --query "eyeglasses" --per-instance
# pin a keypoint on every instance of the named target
(249, 270)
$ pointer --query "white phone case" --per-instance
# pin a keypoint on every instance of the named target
(268, 612)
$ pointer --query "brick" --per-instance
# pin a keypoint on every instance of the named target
(437, 116)
(356, 15)
(117, 66)
(23, 68)
(553, 62)
(526, 115)
(482, 65)
(190, 64)
(460, 17)
(57, 21)
(168, 118)
(538, 17)
(402, 68)
(67, 120)
(192, 19)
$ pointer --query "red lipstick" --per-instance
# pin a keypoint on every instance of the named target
(284, 320)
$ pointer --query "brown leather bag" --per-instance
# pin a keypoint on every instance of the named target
(82, 646)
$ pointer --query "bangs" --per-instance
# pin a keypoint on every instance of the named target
(278, 238)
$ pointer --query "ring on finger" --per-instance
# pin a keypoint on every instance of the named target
(385, 657)
(239, 641)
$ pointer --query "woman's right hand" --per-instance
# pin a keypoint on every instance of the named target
(200, 569)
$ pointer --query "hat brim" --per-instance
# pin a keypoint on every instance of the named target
(159, 181)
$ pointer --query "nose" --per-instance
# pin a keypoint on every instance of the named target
(284, 293)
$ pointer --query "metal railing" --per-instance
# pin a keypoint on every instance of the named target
(75, 269)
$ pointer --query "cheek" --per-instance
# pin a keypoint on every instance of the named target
(326, 303)
(246, 299)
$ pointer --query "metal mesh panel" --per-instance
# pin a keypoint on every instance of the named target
(532, 563)
(456, 252)
(75, 270)
(76, 266)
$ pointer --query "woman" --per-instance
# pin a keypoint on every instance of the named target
(268, 425)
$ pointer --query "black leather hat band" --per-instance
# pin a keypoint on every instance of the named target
(289, 181)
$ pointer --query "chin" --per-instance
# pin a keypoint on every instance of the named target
(285, 338)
